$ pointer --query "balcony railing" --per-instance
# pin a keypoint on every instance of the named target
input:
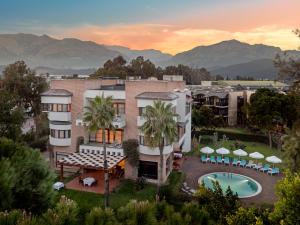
(119, 121)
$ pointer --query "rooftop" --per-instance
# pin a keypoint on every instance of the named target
(57, 93)
(157, 95)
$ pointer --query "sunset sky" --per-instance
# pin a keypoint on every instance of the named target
(168, 25)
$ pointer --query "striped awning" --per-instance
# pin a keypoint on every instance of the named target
(89, 160)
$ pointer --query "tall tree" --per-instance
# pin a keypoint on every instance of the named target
(159, 129)
(11, 116)
(99, 115)
(291, 148)
(25, 87)
(203, 117)
(267, 109)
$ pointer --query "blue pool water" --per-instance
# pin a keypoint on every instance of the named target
(242, 185)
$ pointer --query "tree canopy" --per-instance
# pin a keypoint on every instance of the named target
(25, 178)
(144, 68)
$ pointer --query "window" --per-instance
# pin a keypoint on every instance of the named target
(56, 107)
(60, 133)
(187, 108)
(141, 110)
(143, 141)
(148, 169)
(121, 109)
(111, 136)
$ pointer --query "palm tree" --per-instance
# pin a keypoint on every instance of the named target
(99, 115)
(158, 128)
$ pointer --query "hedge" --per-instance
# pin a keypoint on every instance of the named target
(235, 136)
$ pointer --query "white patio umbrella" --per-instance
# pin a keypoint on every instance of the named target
(223, 151)
(273, 159)
(240, 152)
(207, 150)
(256, 155)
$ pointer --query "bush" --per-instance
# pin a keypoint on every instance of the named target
(234, 136)
(27, 182)
(140, 183)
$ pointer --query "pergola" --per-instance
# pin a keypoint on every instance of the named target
(89, 161)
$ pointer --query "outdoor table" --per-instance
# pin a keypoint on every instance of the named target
(88, 181)
(58, 185)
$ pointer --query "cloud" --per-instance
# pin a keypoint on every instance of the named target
(173, 39)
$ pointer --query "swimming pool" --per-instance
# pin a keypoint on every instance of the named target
(244, 186)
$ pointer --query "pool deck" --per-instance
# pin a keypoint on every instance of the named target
(194, 169)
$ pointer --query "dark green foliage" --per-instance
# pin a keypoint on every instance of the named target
(291, 148)
(268, 109)
(99, 216)
(196, 214)
(136, 213)
(217, 203)
(287, 208)
(131, 151)
(144, 68)
(244, 216)
(27, 181)
(11, 116)
(205, 118)
(234, 136)
(64, 213)
(140, 183)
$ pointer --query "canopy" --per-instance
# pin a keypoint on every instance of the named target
(223, 151)
(89, 160)
(273, 159)
(207, 150)
(256, 155)
(240, 152)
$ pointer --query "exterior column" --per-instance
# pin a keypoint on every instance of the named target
(61, 172)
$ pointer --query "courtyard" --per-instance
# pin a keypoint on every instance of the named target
(193, 169)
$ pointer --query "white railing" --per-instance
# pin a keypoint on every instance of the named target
(95, 148)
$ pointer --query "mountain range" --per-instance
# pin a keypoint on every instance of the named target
(228, 58)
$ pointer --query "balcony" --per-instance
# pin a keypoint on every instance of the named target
(119, 122)
(97, 148)
(146, 150)
(59, 116)
(59, 141)
(140, 121)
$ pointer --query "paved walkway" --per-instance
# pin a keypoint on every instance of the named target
(194, 169)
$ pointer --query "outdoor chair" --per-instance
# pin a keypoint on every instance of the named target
(258, 166)
(213, 159)
(273, 171)
(235, 162)
(203, 159)
(226, 161)
(219, 159)
(243, 163)
(265, 168)
(250, 164)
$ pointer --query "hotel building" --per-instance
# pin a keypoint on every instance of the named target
(71, 142)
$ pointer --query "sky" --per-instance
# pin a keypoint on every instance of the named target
(171, 26)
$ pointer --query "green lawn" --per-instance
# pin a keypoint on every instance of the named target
(233, 130)
(250, 147)
(125, 192)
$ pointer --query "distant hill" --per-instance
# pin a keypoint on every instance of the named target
(155, 56)
(225, 53)
(228, 58)
(65, 53)
(258, 69)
